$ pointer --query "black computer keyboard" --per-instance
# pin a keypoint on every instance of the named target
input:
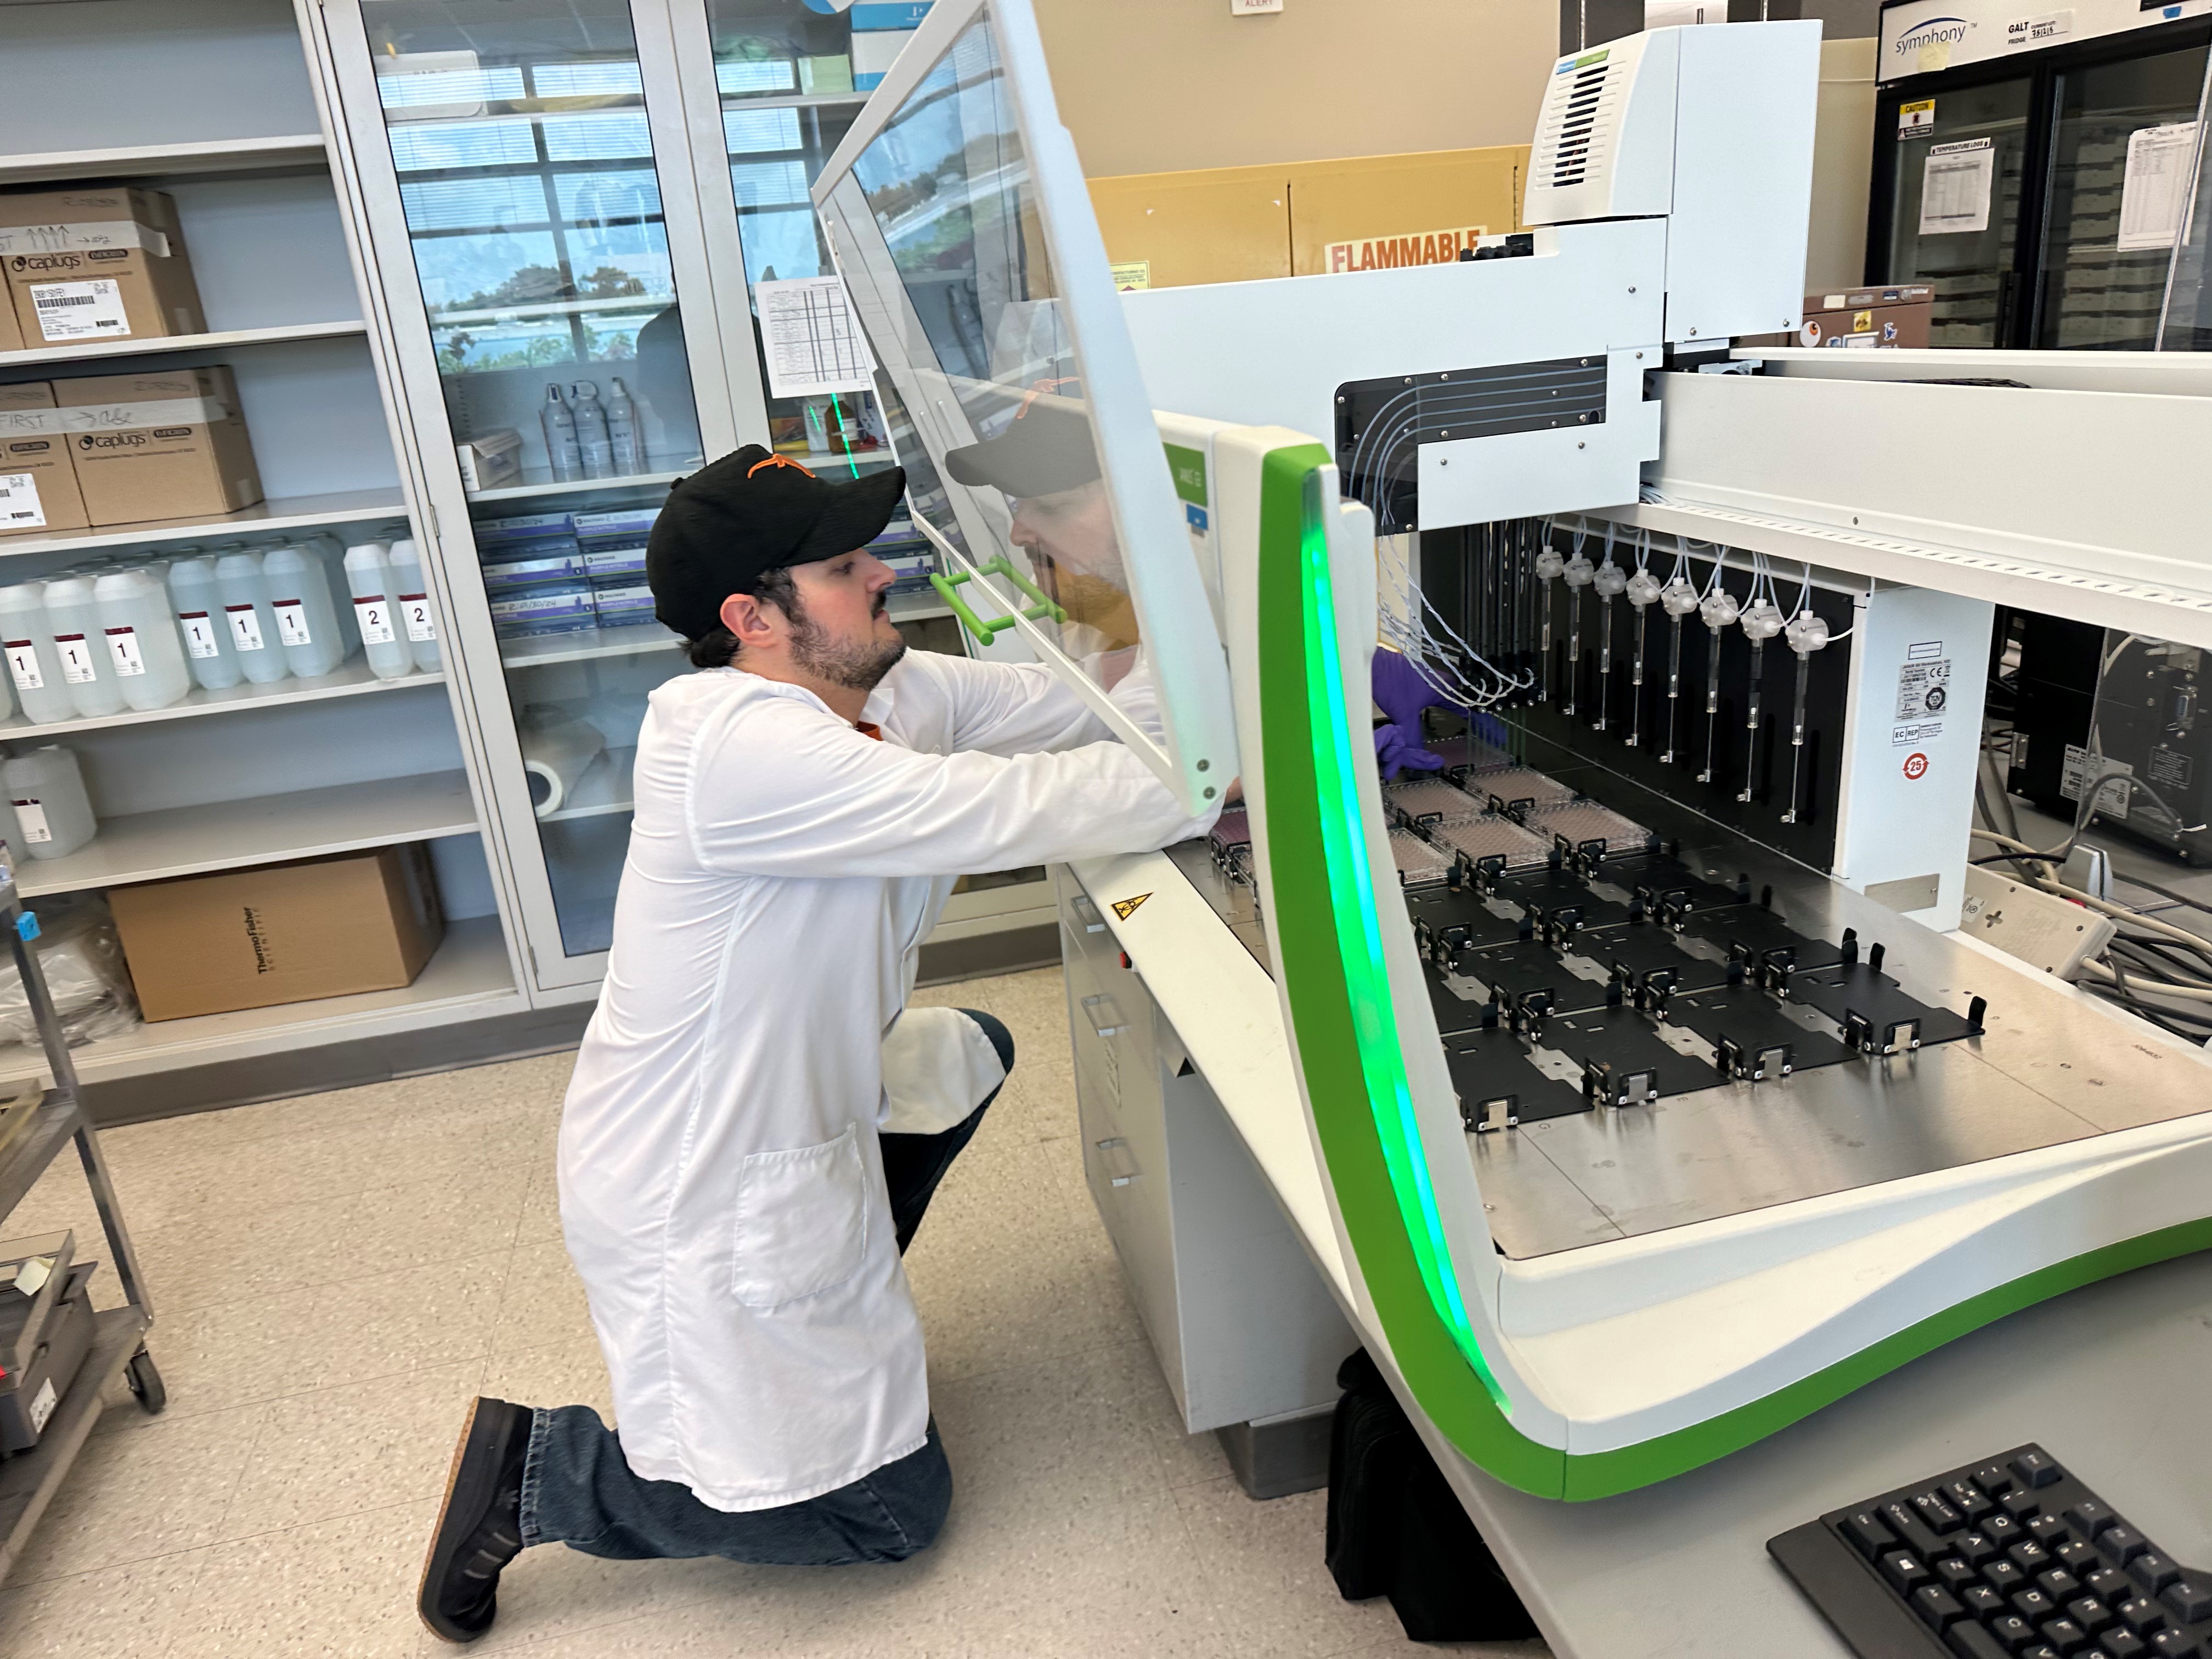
(2010, 1559)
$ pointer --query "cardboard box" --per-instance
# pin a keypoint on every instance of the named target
(97, 264)
(169, 444)
(491, 462)
(1862, 318)
(11, 331)
(1301, 218)
(280, 932)
(38, 480)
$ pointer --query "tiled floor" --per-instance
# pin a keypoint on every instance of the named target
(336, 1275)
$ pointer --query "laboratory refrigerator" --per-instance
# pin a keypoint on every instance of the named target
(2031, 170)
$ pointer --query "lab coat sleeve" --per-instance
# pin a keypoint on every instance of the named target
(786, 790)
(1016, 708)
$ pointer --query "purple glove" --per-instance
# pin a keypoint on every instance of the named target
(1401, 694)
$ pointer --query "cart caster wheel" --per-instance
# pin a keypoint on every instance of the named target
(145, 1381)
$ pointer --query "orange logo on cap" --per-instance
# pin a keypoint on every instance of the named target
(777, 460)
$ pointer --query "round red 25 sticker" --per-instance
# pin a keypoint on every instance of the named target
(1916, 766)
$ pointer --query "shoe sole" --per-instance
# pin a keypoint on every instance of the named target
(438, 1531)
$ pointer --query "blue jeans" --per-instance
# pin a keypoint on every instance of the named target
(578, 1489)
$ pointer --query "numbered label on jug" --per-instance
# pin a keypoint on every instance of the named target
(123, 646)
(292, 623)
(245, 627)
(23, 664)
(375, 618)
(200, 638)
(415, 607)
(32, 815)
(78, 665)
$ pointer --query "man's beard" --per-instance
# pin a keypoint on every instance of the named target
(857, 665)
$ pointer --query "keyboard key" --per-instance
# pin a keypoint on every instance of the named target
(2021, 1505)
(2092, 1615)
(2122, 1644)
(1973, 1642)
(1969, 1500)
(2121, 1544)
(1912, 1531)
(2189, 1598)
(1993, 1479)
(1864, 1530)
(2112, 1583)
(2049, 1531)
(2037, 1651)
(1983, 1601)
(1977, 1546)
(1903, 1570)
(2175, 1644)
(2090, 1516)
(1953, 1574)
(2033, 1605)
(2142, 1613)
(2012, 1631)
(2003, 1528)
(2035, 1469)
(2066, 1635)
(2060, 1585)
(2005, 1576)
(2153, 1571)
(1938, 1608)
(2030, 1558)
(1940, 1518)
(2078, 1557)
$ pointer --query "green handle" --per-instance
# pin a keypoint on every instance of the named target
(983, 631)
(1002, 566)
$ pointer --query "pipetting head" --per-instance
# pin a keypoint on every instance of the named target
(1762, 620)
(1679, 597)
(1806, 633)
(1720, 609)
(1643, 589)
(1609, 580)
(1549, 563)
(1579, 571)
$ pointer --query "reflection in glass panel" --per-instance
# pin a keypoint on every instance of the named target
(1955, 200)
(963, 305)
(2187, 322)
(2106, 280)
(519, 134)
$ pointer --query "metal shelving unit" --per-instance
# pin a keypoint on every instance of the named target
(60, 357)
(29, 1480)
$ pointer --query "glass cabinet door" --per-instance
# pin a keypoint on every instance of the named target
(2105, 256)
(525, 185)
(1954, 205)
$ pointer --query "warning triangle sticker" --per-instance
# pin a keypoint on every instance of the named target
(1126, 907)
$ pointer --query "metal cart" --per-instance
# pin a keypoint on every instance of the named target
(29, 1480)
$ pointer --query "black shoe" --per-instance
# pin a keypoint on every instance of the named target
(479, 1528)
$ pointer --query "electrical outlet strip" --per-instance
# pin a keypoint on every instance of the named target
(2039, 928)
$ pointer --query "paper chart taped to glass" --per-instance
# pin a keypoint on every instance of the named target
(813, 343)
(1954, 186)
(2154, 191)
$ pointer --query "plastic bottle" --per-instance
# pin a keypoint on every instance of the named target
(73, 624)
(140, 634)
(561, 453)
(196, 598)
(244, 591)
(33, 665)
(52, 810)
(592, 440)
(307, 621)
(621, 432)
(418, 621)
(376, 609)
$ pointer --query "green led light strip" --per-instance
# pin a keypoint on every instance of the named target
(1351, 887)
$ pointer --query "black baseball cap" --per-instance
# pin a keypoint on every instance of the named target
(730, 523)
(1045, 449)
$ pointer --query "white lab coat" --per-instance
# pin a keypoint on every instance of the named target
(721, 1186)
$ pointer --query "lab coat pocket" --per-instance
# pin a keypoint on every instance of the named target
(802, 1221)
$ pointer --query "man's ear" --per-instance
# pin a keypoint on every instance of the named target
(748, 620)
